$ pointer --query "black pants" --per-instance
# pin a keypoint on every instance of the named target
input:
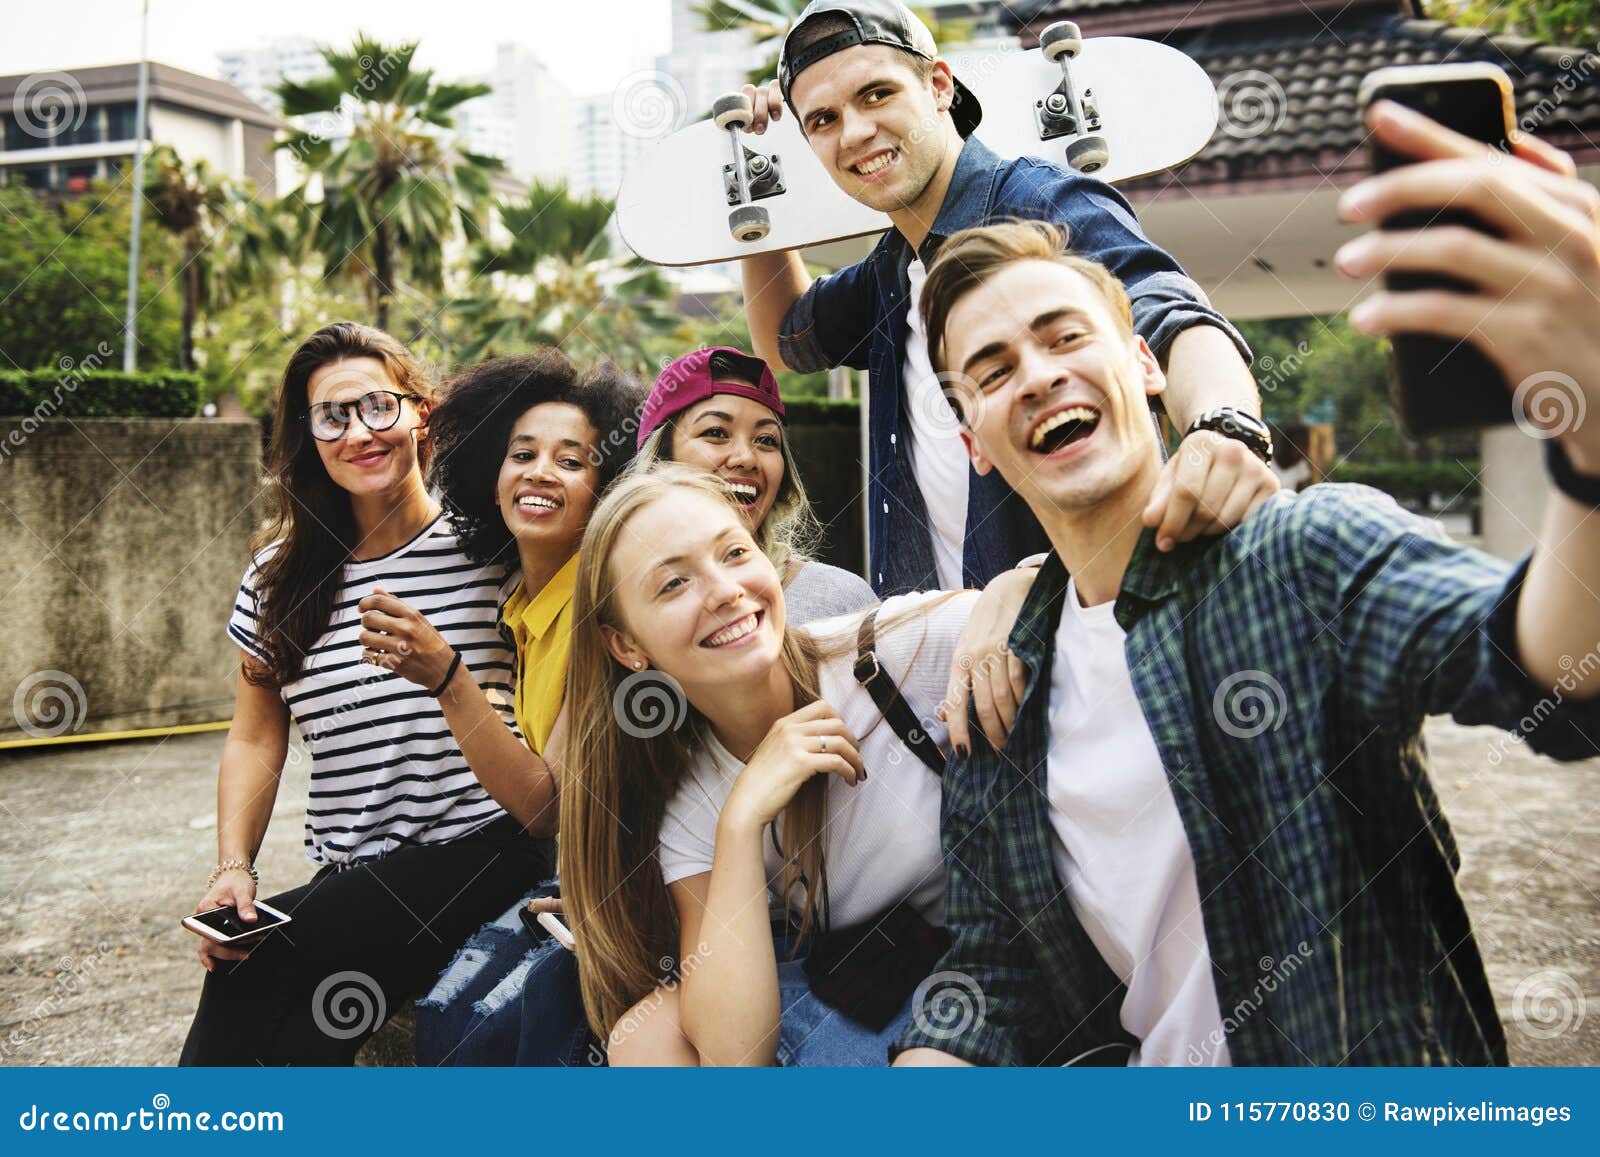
(370, 936)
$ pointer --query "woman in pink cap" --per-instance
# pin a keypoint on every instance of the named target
(719, 410)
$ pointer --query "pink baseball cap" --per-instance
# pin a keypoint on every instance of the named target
(702, 374)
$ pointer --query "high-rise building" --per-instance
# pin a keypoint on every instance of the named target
(257, 71)
(703, 63)
(527, 121)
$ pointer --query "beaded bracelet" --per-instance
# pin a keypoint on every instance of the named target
(230, 865)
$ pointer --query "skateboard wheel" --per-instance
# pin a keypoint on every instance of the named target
(1088, 154)
(1061, 39)
(732, 111)
(749, 223)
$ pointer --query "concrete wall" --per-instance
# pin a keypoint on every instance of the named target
(121, 546)
(1515, 487)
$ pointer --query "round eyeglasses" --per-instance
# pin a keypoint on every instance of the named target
(378, 411)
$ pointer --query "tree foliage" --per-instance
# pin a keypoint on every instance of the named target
(555, 280)
(394, 192)
(64, 282)
(1561, 22)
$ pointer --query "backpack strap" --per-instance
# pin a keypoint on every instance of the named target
(896, 711)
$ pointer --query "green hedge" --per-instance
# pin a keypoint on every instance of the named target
(98, 394)
(821, 411)
(1413, 482)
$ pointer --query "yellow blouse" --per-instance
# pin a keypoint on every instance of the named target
(542, 627)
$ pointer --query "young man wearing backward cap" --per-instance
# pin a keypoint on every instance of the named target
(894, 129)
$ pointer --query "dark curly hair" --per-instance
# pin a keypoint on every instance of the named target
(471, 429)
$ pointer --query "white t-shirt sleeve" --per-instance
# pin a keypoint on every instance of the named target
(689, 830)
(243, 622)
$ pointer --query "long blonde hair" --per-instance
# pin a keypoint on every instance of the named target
(621, 773)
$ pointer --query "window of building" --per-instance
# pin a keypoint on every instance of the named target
(120, 121)
(24, 134)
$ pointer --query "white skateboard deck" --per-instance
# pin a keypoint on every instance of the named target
(1156, 109)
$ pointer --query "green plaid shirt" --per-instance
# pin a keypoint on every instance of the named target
(1284, 671)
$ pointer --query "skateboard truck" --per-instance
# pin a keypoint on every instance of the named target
(750, 176)
(1065, 112)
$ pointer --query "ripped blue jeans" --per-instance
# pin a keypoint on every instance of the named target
(505, 1000)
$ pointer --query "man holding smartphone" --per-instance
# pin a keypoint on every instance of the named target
(1211, 837)
(895, 130)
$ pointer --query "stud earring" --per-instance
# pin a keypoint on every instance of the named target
(638, 665)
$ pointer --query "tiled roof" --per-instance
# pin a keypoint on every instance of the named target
(1288, 86)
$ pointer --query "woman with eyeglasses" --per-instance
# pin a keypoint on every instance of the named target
(412, 852)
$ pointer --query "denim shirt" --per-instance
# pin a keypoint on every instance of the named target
(1284, 670)
(857, 317)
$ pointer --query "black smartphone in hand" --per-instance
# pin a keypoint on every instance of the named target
(1441, 383)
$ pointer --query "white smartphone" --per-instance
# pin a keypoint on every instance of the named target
(224, 926)
(552, 924)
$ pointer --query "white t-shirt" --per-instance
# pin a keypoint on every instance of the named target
(938, 459)
(882, 837)
(1120, 847)
(385, 769)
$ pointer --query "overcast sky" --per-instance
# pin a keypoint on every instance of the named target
(590, 46)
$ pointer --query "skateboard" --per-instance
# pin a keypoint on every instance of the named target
(1115, 107)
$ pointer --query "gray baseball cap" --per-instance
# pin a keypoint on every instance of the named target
(874, 22)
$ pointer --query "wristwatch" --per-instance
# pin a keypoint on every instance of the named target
(1239, 426)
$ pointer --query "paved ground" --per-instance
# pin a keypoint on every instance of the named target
(104, 848)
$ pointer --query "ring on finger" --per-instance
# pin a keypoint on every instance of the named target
(822, 743)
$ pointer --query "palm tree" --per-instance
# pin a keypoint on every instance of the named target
(393, 189)
(227, 241)
(557, 282)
